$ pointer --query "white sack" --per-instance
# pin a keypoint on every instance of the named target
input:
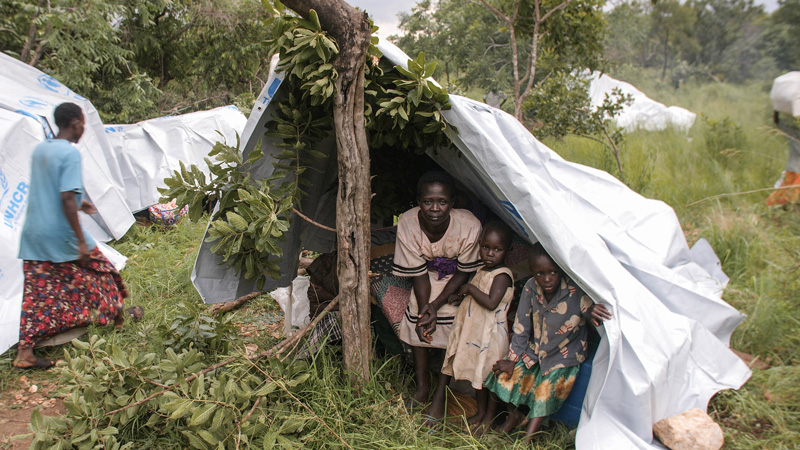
(665, 350)
(644, 112)
(785, 94)
(300, 304)
(151, 150)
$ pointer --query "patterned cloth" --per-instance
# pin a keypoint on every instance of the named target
(392, 294)
(787, 195)
(62, 296)
(552, 333)
(543, 394)
(327, 330)
(413, 250)
(167, 214)
(479, 336)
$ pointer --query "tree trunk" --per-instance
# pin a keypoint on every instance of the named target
(350, 28)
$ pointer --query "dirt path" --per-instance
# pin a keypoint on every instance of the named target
(23, 394)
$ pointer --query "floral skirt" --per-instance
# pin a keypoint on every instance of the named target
(544, 395)
(62, 296)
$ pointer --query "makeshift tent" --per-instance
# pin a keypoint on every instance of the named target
(644, 112)
(150, 150)
(122, 166)
(664, 352)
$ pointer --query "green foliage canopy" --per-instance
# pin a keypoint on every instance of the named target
(139, 59)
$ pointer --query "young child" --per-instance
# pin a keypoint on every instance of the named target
(548, 344)
(479, 336)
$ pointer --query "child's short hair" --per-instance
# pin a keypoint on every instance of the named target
(436, 176)
(501, 228)
(538, 250)
(65, 113)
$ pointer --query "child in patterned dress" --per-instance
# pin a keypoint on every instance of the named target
(480, 335)
(548, 345)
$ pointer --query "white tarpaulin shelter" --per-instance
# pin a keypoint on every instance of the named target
(150, 150)
(122, 166)
(785, 94)
(665, 350)
(644, 112)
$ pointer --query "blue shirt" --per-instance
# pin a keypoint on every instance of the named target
(47, 235)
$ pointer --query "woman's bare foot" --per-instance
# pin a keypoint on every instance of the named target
(27, 360)
(24, 358)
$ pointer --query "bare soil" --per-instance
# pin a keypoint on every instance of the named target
(27, 392)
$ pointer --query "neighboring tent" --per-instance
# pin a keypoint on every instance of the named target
(644, 112)
(664, 352)
(150, 150)
(122, 166)
(785, 94)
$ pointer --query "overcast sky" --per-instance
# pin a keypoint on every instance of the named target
(384, 12)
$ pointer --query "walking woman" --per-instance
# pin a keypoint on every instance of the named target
(68, 282)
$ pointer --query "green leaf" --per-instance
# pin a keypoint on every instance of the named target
(202, 414)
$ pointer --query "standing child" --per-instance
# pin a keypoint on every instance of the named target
(479, 336)
(548, 344)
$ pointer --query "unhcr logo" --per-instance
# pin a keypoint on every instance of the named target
(16, 206)
(53, 85)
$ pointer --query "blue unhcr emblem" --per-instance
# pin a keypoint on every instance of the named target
(50, 83)
(48, 132)
(514, 215)
(33, 102)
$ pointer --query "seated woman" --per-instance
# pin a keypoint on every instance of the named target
(437, 246)
(68, 282)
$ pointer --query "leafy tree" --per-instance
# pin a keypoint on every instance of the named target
(628, 39)
(400, 108)
(78, 43)
(672, 24)
(139, 59)
(783, 34)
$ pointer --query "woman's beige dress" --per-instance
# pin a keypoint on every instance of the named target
(413, 252)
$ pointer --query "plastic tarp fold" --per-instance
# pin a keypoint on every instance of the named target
(149, 151)
(644, 112)
(665, 350)
(785, 94)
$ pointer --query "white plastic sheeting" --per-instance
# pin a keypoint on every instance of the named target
(150, 150)
(122, 166)
(665, 350)
(785, 94)
(644, 112)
